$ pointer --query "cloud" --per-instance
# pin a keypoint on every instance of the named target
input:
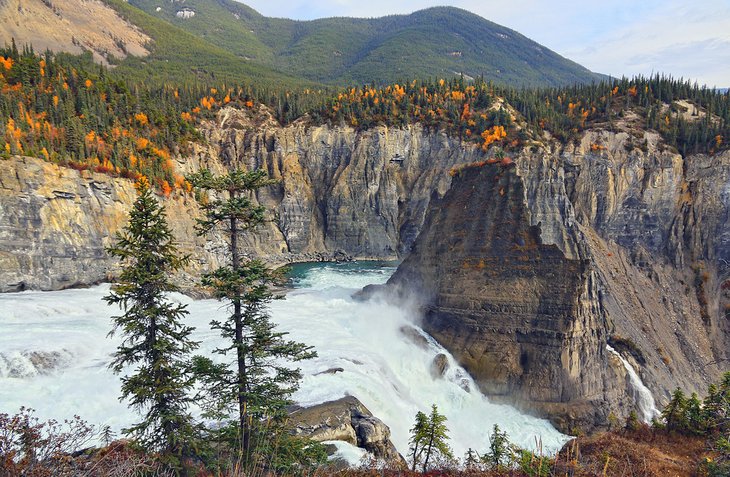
(622, 37)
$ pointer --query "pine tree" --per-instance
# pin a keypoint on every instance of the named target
(694, 417)
(419, 433)
(499, 448)
(675, 413)
(429, 439)
(472, 459)
(258, 383)
(716, 406)
(155, 340)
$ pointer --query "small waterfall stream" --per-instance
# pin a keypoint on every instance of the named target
(642, 395)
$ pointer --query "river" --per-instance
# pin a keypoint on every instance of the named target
(54, 353)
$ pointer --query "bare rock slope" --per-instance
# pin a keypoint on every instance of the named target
(70, 26)
(526, 272)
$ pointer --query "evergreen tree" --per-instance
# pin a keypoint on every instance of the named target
(472, 459)
(716, 406)
(499, 449)
(674, 414)
(417, 442)
(429, 439)
(694, 417)
(258, 382)
(155, 341)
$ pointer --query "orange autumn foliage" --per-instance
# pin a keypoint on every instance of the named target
(141, 119)
(142, 143)
(496, 133)
(166, 189)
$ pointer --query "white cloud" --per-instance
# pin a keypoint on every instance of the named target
(622, 37)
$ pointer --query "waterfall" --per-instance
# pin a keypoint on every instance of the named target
(374, 351)
(642, 396)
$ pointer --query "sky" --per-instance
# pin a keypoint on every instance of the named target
(684, 38)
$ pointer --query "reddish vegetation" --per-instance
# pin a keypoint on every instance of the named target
(642, 453)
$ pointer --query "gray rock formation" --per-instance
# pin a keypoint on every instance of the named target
(519, 315)
(526, 272)
(345, 419)
(339, 196)
(55, 223)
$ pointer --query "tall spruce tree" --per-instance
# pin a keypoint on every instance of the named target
(257, 384)
(155, 342)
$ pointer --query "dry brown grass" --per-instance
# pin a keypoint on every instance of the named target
(642, 453)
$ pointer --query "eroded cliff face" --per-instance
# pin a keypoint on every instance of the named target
(519, 315)
(342, 193)
(649, 230)
(363, 193)
(55, 223)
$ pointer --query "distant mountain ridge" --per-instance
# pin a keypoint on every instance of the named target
(436, 42)
(189, 40)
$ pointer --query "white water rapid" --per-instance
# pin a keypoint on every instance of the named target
(54, 355)
(642, 395)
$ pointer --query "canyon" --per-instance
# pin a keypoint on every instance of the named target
(525, 269)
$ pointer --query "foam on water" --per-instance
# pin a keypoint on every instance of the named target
(386, 371)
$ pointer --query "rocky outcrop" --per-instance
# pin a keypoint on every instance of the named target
(345, 419)
(31, 363)
(340, 195)
(519, 315)
(364, 193)
(55, 223)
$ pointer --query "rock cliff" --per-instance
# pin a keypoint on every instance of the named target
(519, 315)
(341, 193)
(527, 271)
(55, 223)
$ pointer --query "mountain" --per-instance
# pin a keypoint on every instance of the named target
(224, 39)
(436, 42)
(71, 26)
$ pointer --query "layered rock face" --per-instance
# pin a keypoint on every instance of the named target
(364, 193)
(341, 193)
(636, 258)
(518, 315)
(55, 223)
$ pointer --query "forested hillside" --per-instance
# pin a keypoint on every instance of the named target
(438, 42)
(66, 109)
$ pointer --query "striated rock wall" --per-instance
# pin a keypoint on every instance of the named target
(55, 223)
(341, 193)
(518, 314)
(361, 192)
(650, 230)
